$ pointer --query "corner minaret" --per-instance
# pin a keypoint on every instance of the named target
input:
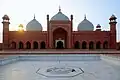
(48, 30)
(5, 31)
(113, 31)
(71, 22)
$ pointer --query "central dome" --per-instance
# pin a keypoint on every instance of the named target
(85, 25)
(60, 16)
(34, 25)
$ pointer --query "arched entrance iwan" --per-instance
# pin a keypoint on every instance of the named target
(60, 38)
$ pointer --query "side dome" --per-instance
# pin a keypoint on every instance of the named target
(60, 16)
(85, 25)
(34, 25)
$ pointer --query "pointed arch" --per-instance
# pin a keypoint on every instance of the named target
(77, 45)
(35, 45)
(118, 47)
(28, 45)
(60, 45)
(84, 45)
(98, 45)
(13, 45)
(21, 45)
(42, 45)
(91, 45)
(105, 45)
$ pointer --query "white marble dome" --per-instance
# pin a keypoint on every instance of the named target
(60, 16)
(34, 25)
(85, 25)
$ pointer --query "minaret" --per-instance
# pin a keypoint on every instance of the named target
(71, 30)
(48, 30)
(71, 22)
(113, 32)
(5, 31)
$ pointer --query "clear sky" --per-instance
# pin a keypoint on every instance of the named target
(97, 11)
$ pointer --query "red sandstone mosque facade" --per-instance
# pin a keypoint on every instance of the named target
(59, 34)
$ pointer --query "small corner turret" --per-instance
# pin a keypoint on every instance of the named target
(21, 28)
(113, 23)
(5, 19)
(113, 19)
(5, 22)
(98, 27)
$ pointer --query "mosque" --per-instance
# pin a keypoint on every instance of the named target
(59, 34)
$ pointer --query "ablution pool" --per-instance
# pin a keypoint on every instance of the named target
(60, 67)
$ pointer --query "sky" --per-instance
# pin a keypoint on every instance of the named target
(97, 12)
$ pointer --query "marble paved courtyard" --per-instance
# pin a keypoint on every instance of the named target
(93, 70)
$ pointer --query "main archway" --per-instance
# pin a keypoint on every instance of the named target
(60, 45)
(60, 38)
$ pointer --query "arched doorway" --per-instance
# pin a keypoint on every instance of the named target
(105, 45)
(21, 46)
(98, 45)
(84, 45)
(35, 45)
(91, 45)
(59, 45)
(13, 45)
(42, 45)
(77, 45)
(60, 34)
(28, 45)
(119, 47)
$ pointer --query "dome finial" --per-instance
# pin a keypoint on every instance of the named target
(34, 16)
(59, 8)
(85, 16)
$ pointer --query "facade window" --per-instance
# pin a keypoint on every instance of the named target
(42, 45)
(13, 45)
(77, 45)
(84, 45)
(98, 45)
(119, 47)
(91, 45)
(35, 45)
(105, 45)
(21, 45)
(28, 45)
